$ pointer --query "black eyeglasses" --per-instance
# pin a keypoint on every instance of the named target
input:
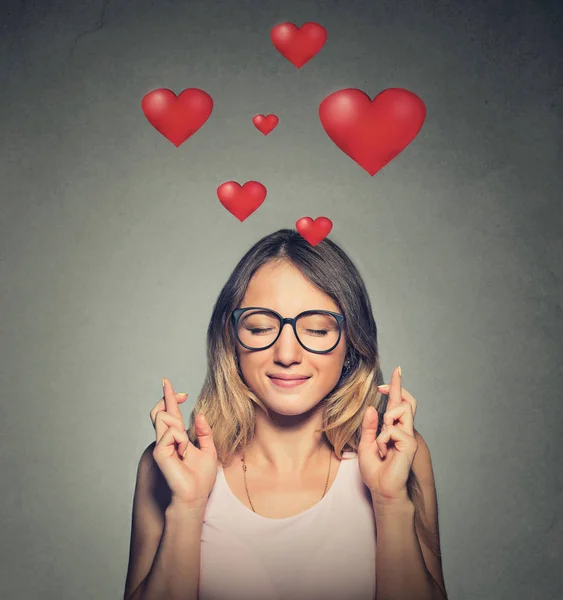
(317, 331)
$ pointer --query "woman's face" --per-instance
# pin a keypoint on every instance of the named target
(284, 289)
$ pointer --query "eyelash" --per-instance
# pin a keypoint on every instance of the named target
(255, 330)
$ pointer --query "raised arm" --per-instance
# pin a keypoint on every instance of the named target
(164, 555)
(174, 479)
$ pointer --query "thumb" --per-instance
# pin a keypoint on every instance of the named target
(369, 426)
(204, 433)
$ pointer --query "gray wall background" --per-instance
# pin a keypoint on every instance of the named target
(114, 247)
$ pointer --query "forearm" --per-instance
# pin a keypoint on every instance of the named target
(175, 571)
(401, 572)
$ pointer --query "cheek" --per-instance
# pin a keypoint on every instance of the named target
(330, 369)
(251, 366)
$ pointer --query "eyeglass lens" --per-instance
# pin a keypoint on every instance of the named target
(316, 331)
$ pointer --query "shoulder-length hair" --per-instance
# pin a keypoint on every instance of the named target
(229, 404)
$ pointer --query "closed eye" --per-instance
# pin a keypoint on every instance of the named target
(255, 330)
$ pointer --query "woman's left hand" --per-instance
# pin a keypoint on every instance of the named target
(385, 461)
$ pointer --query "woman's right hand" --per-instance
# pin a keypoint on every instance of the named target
(189, 472)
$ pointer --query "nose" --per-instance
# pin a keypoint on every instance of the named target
(287, 349)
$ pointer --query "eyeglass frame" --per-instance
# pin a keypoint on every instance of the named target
(237, 313)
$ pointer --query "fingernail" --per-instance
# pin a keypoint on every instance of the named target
(399, 370)
(184, 455)
(383, 386)
(163, 382)
(181, 393)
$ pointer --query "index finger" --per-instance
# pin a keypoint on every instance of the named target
(181, 397)
(395, 395)
(170, 402)
(406, 395)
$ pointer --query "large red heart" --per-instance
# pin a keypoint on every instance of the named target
(372, 133)
(241, 201)
(265, 124)
(298, 44)
(177, 118)
(314, 231)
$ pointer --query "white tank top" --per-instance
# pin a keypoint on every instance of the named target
(326, 552)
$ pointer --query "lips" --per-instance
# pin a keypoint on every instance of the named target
(287, 381)
(289, 377)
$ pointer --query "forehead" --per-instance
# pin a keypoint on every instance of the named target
(283, 288)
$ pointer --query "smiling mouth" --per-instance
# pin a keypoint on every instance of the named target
(287, 383)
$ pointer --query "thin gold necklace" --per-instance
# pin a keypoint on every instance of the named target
(244, 469)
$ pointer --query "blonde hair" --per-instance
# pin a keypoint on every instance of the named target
(229, 404)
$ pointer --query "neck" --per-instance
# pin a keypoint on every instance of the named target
(287, 445)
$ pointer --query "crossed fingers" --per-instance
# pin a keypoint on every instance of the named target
(398, 420)
(405, 395)
(166, 413)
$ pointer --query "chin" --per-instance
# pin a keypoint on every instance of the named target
(280, 412)
(289, 405)
(289, 409)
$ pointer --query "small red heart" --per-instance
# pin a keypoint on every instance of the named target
(298, 44)
(314, 231)
(177, 118)
(265, 124)
(241, 201)
(372, 133)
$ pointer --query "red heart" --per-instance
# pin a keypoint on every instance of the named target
(298, 44)
(265, 124)
(241, 201)
(314, 231)
(372, 133)
(177, 118)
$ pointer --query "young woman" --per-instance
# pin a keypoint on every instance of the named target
(301, 475)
